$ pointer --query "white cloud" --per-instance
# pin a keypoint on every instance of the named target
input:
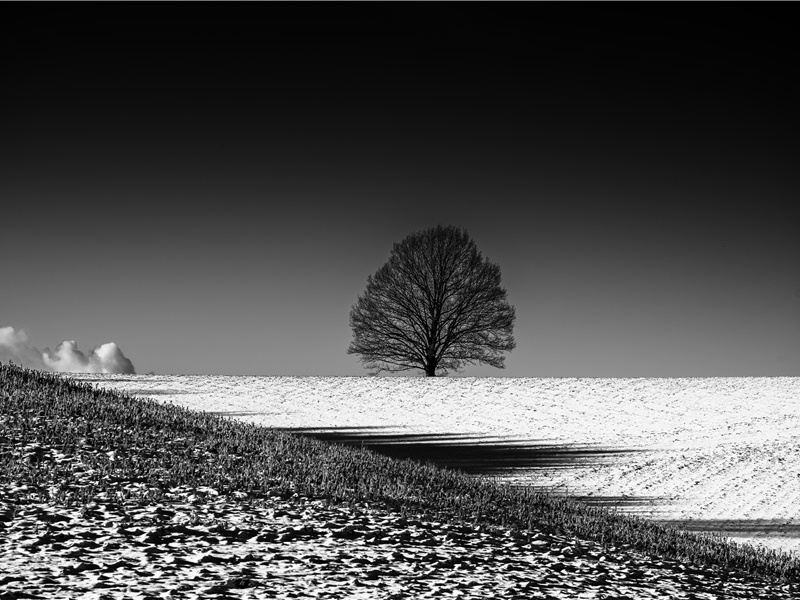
(110, 359)
(15, 345)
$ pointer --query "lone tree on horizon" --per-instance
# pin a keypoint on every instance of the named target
(436, 304)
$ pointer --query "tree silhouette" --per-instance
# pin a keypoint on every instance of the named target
(436, 304)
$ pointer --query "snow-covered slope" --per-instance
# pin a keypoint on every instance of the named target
(716, 454)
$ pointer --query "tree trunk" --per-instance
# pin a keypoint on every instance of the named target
(430, 368)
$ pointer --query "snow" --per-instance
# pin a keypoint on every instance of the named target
(713, 454)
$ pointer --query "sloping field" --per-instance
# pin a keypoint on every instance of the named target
(711, 454)
(104, 496)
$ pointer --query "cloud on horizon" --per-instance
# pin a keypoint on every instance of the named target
(15, 345)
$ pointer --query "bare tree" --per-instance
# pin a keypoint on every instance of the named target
(436, 304)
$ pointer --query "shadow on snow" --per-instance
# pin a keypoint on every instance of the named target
(474, 454)
(483, 455)
(487, 455)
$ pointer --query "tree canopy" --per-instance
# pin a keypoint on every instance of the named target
(436, 305)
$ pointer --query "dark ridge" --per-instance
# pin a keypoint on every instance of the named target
(239, 413)
(733, 527)
(614, 502)
(167, 392)
(80, 378)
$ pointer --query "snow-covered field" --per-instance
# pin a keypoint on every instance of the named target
(714, 454)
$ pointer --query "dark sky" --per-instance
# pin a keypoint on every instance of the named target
(209, 185)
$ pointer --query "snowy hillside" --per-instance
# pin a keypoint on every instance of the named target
(715, 454)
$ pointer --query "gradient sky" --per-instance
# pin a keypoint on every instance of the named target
(209, 186)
